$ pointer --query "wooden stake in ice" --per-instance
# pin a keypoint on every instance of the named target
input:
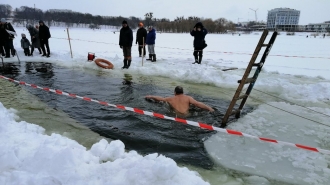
(67, 30)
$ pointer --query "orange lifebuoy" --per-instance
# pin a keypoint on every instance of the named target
(104, 63)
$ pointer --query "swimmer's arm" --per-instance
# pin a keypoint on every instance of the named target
(200, 104)
(157, 98)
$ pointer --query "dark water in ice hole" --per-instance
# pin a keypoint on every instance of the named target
(142, 133)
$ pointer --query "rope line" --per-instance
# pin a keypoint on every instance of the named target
(161, 116)
(285, 110)
(292, 103)
(289, 112)
(282, 109)
(226, 52)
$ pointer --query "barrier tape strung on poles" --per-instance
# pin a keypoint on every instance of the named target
(161, 116)
(226, 52)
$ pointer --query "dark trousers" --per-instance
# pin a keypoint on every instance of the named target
(9, 47)
(2, 45)
(43, 43)
(27, 51)
(32, 49)
(140, 49)
(198, 52)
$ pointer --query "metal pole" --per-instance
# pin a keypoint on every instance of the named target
(67, 30)
(17, 57)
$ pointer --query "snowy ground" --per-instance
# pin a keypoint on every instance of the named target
(291, 72)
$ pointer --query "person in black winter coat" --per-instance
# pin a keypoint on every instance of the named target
(199, 33)
(125, 42)
(141, 36)
(7, 37)
(2, 38)
(44, 35)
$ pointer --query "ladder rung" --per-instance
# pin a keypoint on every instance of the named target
(258, 64)
(242, 97)
(248, 80)
(264, 45)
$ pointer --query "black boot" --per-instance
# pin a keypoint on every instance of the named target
(154, 58)
(129, 63)
(200, 60)
(13, 52)
(196, 60)
(125, 64)
(150, 57)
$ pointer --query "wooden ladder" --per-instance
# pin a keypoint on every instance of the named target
(249, 80)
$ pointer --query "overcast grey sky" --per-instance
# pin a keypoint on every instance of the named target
(311, 11)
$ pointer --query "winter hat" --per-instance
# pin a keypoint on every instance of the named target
(28, 26)
(23, 35)
(41, 21)
(124, 22)
(149, 27)
(3, 20)
(199, 24)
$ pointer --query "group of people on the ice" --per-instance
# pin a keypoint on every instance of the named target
(40, 35)
(144, 38)
(39, 39)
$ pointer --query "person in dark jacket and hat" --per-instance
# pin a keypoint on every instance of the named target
(125, 42)
(44, 35)
(141, 35)
(199, 33)
(8, 34)
(2, 37)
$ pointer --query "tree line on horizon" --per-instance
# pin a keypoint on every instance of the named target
(26, 14)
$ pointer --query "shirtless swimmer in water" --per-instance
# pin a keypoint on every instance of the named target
(180, 102)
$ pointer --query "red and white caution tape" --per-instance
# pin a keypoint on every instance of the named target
(193, 123)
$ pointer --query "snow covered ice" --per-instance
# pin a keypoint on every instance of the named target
(28, 156)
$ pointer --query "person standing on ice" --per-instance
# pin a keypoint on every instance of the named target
(25, 44)
(125, 42)
(8, 37)
(151, 37)
(141, 35)
(44, 35)
(199, 33)
(2, 38)
(34, 33)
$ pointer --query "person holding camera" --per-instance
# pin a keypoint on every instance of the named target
(199, 33)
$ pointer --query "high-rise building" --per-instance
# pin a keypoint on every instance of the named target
(284, 19)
